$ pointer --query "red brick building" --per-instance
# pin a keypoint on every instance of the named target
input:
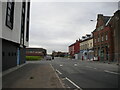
(74, 48)
(103, 39)
(36, 52)
(115, 25)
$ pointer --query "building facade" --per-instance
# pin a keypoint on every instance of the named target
(115, 25)
(103, 39)
(59, 54)
(36, 52)
(86, 48)
(74, 49)
(15, 32)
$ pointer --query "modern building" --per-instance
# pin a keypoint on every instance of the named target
(14, 32)
(86, 47)
(103, 39)
(36, 52)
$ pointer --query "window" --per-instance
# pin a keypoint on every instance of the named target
(91, 44)
(102, 27)
(95, 40)
(23, 22)
(88, 45)
(3, 53)
(106, 37)
(102, 38)
(10, 14)
(98, 39)
(27, 27)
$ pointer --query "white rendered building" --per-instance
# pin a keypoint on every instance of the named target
(14, 32)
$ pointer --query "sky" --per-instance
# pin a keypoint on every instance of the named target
(56, 25)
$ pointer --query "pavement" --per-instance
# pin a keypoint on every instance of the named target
(32, 75)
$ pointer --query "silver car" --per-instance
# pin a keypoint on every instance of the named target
(48, 57)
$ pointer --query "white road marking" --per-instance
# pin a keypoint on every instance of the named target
(73, 83)
(111, 72)
(75, 64)
(58, 71)
(61, 65)
(91, 67)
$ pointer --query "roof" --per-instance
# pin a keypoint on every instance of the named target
(106, 19)
(38, 49)
(72, 44)
(87, 39)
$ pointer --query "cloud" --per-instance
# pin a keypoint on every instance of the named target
(56, 25)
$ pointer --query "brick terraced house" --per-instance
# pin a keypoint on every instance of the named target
(74, 49)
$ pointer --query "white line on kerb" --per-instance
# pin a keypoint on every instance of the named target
(58, 71)
(73, 83)
(111, 72)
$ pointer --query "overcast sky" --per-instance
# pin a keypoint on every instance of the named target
(56, 25)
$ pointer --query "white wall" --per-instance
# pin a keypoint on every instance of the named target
(0, 19)
(14, 34)
(7, 33)
(0, 45)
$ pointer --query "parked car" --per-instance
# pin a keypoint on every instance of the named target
(48, 57)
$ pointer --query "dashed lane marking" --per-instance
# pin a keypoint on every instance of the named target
(75, 64)
(91, 67)
(111, 72)
(58, 71)
(61, 65)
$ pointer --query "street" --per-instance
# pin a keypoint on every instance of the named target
(70, 73)
(86, 74)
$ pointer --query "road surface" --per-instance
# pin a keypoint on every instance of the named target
(86, 74)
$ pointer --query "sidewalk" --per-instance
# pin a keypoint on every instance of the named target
(32, 75)
(109, 62)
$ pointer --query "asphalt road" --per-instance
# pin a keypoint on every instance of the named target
(72, 73)
(86, 74)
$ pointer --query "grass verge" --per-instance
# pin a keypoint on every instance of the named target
(33, 58)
